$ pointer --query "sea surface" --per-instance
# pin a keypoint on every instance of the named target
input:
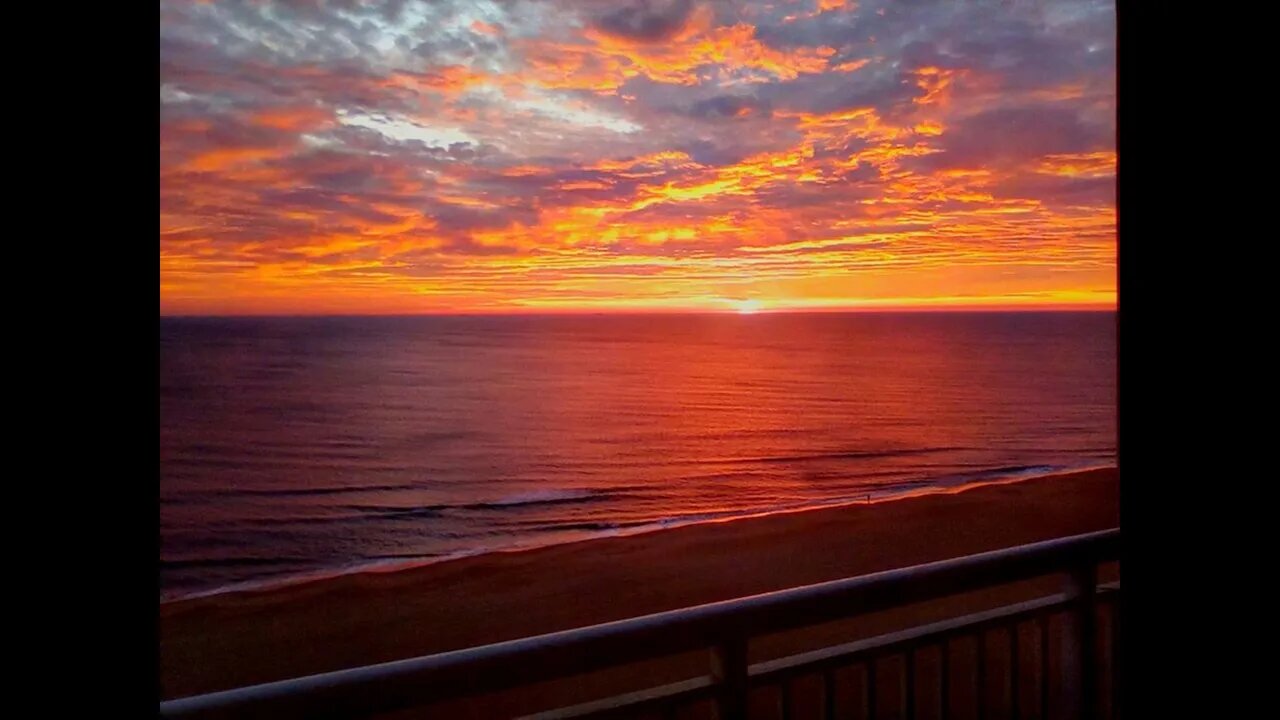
(296, 447)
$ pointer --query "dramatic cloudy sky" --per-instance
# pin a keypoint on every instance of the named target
(512, 155)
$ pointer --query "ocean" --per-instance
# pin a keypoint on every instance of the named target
(300, 447)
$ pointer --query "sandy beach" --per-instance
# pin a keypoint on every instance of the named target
(233, 639)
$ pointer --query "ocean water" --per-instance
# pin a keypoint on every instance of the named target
(291, 447)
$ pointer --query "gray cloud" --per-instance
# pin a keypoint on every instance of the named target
(1009, 136)
(646, 21)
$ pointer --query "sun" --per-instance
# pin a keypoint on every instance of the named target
(746, 307)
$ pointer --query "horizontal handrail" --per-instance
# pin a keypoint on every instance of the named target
(851, 652)
(780, 669)
(374, 689)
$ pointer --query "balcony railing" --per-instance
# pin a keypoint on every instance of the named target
(726, 628)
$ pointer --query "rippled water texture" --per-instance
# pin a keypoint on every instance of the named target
(301, 445)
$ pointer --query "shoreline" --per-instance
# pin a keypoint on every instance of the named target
(323, 575)
(235, 639)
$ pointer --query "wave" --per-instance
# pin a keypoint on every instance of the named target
(875, 491)
(551, 496)
(518, 535)
(989, 473)
(356, 512)
(293, 492)
(602, 525)
(645, 461)
(842, 455)
(526, 499)
(218, 562)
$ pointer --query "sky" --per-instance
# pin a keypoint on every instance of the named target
(563, 155)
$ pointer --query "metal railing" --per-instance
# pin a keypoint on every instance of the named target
(726, 628)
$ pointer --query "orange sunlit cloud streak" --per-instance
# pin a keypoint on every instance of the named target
(545, 155)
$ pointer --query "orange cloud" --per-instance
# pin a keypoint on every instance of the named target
(1099, 164)
(449, 79)
(851, 65)
(667, 156)
(821, 192)
(607, 61)
(936, 84)
(226, 158)
(293, 119)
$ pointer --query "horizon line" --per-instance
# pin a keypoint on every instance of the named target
(987, 310)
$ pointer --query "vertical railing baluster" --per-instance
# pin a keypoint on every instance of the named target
(729, 670)
(670, 713)
(1043, 622)
(981, 675)
(1115, 656)
(944, 689)
(784, 700)
(909, 684)
(1013, 672)
(871, 689)
(1080, 652)
(829, 695)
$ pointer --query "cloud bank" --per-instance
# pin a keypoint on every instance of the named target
(518, 155)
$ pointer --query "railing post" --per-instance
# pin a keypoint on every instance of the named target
(729, 670)
(1079, 649)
